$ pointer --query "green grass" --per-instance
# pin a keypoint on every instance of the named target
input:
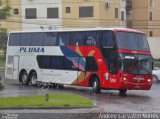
(54, 100)
(2, 61)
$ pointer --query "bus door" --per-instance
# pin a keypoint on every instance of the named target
(113, 70)
(15, 72)
(90, 65)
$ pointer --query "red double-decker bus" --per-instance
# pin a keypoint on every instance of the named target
(102, 58)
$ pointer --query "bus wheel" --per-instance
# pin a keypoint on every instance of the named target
(24, 78)
(33, 78)
(96, 85)
(60, 86)
(122, 92)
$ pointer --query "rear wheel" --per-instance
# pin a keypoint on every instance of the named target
(122, 92)
(96, 85)
(33, 78)
(24, 78)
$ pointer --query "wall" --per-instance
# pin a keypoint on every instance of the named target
(41, 21)
(154, 46)
(13, 22)
(141, 16)
(123, 8)
(102, 16)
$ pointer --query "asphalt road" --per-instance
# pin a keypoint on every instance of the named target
(107, 101)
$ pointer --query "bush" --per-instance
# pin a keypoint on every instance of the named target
(3, 39)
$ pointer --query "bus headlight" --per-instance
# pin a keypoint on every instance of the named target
(149, 80)
(124, 78)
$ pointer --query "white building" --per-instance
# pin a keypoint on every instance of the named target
(123, 13)
(41, 14)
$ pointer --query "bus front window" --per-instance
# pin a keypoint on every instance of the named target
(136, 64)
(132, 41)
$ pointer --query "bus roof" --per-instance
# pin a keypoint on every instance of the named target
(81, 29)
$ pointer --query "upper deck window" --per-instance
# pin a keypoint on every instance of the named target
(108, 39)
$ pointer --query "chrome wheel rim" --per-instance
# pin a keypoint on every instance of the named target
(34, 80)
(24, 78)
(94, 85)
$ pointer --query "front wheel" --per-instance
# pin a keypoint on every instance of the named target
(122, 92)
(96, 85)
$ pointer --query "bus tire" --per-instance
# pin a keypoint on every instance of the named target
(122, 92)
(96, 85)
(33, 78)
(24, 78)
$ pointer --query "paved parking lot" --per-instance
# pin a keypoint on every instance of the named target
(107, 101)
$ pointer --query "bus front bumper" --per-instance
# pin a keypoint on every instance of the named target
(136, 86)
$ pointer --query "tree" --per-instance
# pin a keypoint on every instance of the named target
(5, 9)
(4, 13)
(3, 38)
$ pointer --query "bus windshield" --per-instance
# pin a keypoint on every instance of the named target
(132, 41)
(136, 64)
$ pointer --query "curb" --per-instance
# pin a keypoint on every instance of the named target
(62, 107)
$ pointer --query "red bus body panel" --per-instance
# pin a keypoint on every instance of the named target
(107, 80)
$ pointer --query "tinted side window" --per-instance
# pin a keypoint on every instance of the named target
(93, 37)
(108, 39)
(37, 39)
(14, 39)
(44, 62)
(25, 39)
(50, 39)
(91, 64)
(64, 38)
(57, 62)
(77, 38)
(71, 63)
